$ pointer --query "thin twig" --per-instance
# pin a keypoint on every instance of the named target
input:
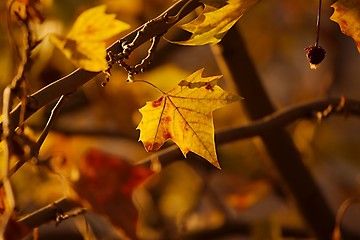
(54, 113)
(50, 212)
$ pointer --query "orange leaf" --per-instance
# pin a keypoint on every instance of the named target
(347, 15)
(184, 114)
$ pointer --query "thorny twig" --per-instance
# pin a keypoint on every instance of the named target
(128, 48)
(148, 59)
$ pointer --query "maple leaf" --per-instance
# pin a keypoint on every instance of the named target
(85, 44)
(184, 114)
(216, 19)
(347, 15)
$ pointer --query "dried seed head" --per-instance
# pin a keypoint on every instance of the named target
(315, 55)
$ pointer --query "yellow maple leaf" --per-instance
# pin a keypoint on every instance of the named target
(216, 19)
(85, 44)
(347, 15)
(184, 114)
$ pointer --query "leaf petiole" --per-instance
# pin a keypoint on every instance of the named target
(151, 84)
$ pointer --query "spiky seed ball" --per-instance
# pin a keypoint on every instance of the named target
(315, 55)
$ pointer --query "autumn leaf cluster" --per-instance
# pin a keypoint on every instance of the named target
(183, 114)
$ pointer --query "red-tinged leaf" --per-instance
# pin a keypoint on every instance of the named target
(107, 183)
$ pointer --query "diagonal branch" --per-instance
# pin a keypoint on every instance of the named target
(309, 110)
(79, 77)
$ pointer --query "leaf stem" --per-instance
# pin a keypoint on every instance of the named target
(151, 84)
(318, 25)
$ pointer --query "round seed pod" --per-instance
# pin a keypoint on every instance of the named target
(315, 55)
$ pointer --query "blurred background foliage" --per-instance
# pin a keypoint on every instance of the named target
(88, 154)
